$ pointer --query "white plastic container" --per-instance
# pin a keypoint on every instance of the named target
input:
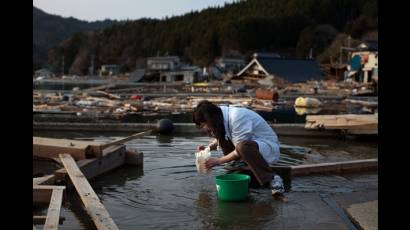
(201, 158)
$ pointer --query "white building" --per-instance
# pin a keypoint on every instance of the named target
(163, 63)
(187, 74)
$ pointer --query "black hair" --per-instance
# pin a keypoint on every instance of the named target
(211, 114)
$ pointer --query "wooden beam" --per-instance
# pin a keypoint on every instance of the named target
(331, 167)
(109, 95)
(335, 167)
(53, 212)
(92, 204)
(341, 121)
(51, 147)
(48, 179)
(42, 220)
(113, 157)
(124, 140)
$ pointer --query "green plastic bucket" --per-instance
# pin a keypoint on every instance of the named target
(232, 187)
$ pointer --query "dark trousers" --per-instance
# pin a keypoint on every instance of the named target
(249, 153)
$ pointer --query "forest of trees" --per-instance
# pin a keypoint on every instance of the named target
(49, 30)
(288, 27)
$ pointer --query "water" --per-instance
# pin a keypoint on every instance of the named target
(168, 193)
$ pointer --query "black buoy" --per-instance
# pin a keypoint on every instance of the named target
(165, 126)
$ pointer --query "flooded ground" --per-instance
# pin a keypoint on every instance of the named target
(168, 193)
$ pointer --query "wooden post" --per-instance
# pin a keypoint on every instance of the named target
(92, 204)
(53, 213)
(366, 76)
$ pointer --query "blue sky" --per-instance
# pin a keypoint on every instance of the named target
(92, 10)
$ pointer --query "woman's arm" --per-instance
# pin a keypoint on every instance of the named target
(213, 145)
(212, 161)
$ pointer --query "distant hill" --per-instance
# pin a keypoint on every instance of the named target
(49, 30)
(289, 27)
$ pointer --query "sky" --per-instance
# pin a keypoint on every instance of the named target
(93, 10)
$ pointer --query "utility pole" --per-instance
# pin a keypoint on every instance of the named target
(62, 75)
(348, 46)
(62, 67)
(91, 70)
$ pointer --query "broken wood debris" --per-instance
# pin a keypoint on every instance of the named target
(92, 203)
(113, 154)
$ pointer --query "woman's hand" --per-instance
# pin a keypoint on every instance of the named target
(200, 147)
(211, 162)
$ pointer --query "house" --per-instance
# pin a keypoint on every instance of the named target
(188, 74)
(171, 69)
(363, 65)
(163, 63)
(109, 70)
(290, 69)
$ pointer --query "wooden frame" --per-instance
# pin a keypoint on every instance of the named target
(53, 195)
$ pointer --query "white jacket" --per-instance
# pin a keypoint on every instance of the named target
(243, 124)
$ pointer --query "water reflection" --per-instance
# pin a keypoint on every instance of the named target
(303, 111)
(165, 139)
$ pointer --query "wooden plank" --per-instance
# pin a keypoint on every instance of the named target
(335, 167)
(49, 179)
(92, 204)
(109, 95)
(42, 193)
(51, 147)
(363, 103)
(53, 212)
(351, 123)
(342, 119)
(113, 157)
(42, 220)
(124, 140)
(364, 118)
